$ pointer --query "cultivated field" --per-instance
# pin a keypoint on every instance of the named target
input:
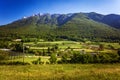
(88, 46)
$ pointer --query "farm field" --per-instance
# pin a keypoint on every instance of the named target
(73, 45)
(61, 72)
(61, 44)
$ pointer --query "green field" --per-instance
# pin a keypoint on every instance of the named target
(61, 72)
(61, 44)
(29, 59)
(88, 46)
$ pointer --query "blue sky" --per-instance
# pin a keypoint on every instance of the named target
(11, 10)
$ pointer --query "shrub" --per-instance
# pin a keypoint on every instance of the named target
(86, 58)
(53, 58)
(39, 60)
(4, 55)
(113, 57)
(81, 58)
(96, 58)
(64, 58)
(104, 58)
(17, 47)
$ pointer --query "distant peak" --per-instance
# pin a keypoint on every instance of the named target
(33, 15)
(40, 14)
(24, 17)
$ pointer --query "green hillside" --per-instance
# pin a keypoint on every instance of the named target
(77, 27)
(81, 27)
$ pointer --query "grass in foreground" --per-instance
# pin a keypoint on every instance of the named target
(61, 72)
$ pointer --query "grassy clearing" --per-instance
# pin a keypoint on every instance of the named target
(61, 72)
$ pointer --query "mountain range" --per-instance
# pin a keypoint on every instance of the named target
(72, 26)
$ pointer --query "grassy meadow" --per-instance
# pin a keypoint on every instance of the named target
(61, 72)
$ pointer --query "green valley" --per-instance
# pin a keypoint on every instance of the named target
(75, 46)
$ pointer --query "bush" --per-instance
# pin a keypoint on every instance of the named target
(53, 58)
(81, 58)
(107, 58)
(113, 57)
(4, 55)
(96, 58)
(104, 58)
(17, 47)
(64, 58)
(87, 58)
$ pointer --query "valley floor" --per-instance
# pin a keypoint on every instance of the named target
(61, 72)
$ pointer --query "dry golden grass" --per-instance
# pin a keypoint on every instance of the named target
(61, 72)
